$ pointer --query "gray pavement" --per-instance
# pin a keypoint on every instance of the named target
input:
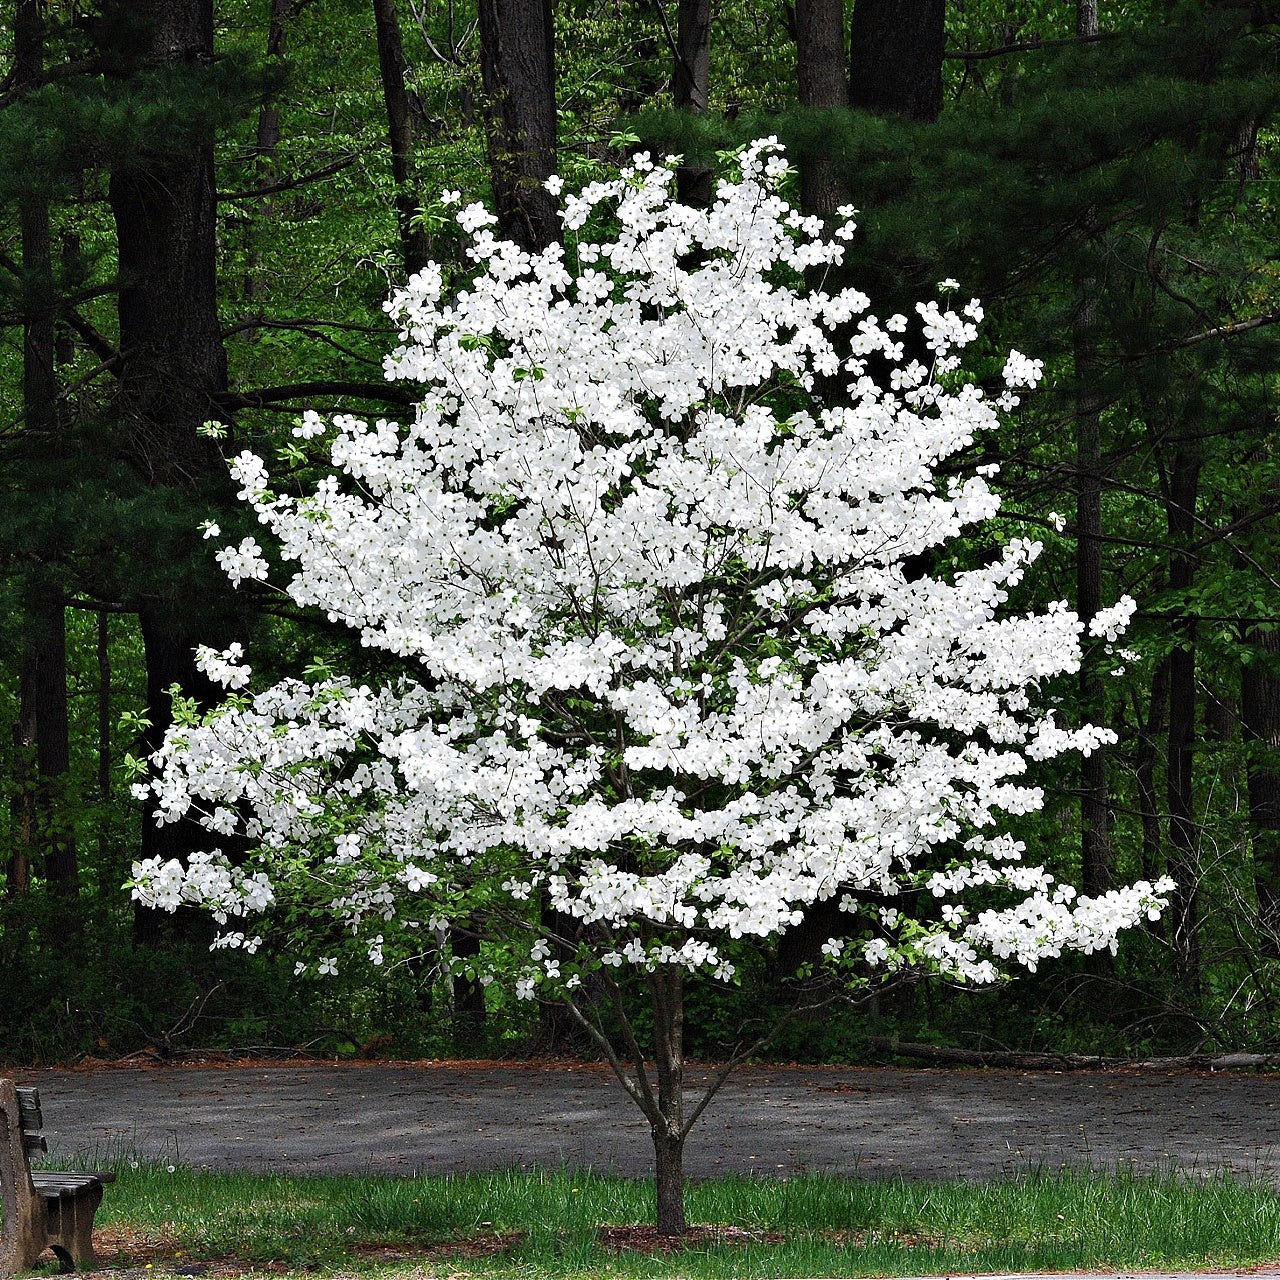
(436, 1118)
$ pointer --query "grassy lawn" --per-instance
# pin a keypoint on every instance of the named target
(564, 1225)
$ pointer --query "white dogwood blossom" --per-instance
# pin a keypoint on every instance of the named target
(666, 670)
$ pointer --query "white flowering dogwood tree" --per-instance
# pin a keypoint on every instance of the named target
(666, 683)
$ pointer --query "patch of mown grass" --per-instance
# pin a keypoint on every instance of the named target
(548, 1224)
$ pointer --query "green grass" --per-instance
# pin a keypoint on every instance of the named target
(546, 1224)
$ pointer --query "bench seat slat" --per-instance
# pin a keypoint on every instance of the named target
(47, 1181)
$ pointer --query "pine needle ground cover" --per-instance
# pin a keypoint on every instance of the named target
(162, 1219)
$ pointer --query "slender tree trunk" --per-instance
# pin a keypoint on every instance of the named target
(691, 89)
(43, 726)
(47, 615)
(1260, 720)
(1184, 908)
(23, 818)
(666, 988)
(895, 57)
(1145, 772)
(517, 67)
(107, 882)
(45, 835)
(468, 992)
(413, 244)
(669, 1183)
(823, 81)
(1095, 800)
(266, 145)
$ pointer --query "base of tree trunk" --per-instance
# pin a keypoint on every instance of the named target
(669, 1179)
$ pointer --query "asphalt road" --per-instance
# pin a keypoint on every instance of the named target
(434, 1118)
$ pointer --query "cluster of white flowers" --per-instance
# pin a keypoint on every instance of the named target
(224, 668)
(243, 561)
(207, 879)
(675, 679)
(1110, 623)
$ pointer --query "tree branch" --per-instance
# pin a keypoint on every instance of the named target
(97, 342)
(1228, 330)
(289, 184)
(1028, 46)
(387, 393)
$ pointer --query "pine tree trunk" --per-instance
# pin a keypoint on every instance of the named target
(822, 81)
(413, 244)
(107, 881)
(517, 68)
(1145, 771)
(1260, 719)
(691, 90)
(173, 364)
(1183, 908)
(265, 147)
(895, 57)
(1095, 801)
(43, 727)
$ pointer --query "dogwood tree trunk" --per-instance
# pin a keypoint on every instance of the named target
(668, 1153)
(666, 988)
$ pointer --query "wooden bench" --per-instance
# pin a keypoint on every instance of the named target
(47, 1208)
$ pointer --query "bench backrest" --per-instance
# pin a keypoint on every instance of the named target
(30, 1120)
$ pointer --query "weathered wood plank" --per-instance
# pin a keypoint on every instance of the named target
(29, 1108)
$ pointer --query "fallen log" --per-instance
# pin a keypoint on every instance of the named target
(945, 1054)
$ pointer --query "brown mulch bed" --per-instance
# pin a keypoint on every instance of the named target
(629, 1239)
(124, 1254)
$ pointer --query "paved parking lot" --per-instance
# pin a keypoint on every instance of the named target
(436, 1118)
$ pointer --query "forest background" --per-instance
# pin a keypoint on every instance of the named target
(204, 207)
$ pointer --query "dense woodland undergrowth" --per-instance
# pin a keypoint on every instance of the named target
(204, 207)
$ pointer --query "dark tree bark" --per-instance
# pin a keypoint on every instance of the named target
(107, 883)
(1150, 729)
(895, 57)
(1184, 484)
(267, 143)
(823, 81)
(42, 731)
(43, 835)
(1095, 793)
(1260, 721)
(691, 89)
(400, 117)
(1095, 799)
(667, 1124)
(518, 72)
(517, 66)
(172, 367)
(468, 992)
